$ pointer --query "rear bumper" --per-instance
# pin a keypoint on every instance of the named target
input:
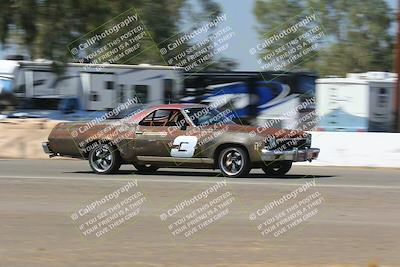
(47, 150)
(296, 155)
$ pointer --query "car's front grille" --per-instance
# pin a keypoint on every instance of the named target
(287, 143)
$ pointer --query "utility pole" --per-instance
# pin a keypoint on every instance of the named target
(397, 69)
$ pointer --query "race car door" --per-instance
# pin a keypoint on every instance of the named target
(165, 135)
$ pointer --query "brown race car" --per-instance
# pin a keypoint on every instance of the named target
(180, 135)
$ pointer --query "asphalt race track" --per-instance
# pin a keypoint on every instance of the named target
(356, 221)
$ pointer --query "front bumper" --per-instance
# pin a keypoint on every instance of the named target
(296, 155)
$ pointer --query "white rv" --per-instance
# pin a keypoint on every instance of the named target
(360, 102)
(98, 87)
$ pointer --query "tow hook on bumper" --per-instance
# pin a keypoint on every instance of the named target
(296, 155)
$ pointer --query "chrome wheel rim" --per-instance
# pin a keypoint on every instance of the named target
(102, 158)
(232, 162)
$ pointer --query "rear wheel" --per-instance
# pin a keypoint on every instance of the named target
(234, 162)
(145, 168)
(104, 159)
(277, 168)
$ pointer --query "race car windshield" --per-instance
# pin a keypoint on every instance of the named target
(208, 116)
(125, 113)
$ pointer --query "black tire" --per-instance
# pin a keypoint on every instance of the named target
(234, 162)
(145, 168)
(277, 168)
(104, 159)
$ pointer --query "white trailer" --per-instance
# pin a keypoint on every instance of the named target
(360, 102)
(98, 86)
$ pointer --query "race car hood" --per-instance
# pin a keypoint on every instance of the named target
(259, 130)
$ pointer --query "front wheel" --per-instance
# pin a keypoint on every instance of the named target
(145, 168)
(234, 162)
(277, 168)
(104, 159)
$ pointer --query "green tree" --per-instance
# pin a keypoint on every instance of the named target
(45, 27)
(357, 33)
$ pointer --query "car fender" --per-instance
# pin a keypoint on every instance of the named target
(251, 143)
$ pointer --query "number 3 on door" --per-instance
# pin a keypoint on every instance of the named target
(184, 146)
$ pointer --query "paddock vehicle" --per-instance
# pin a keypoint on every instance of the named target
(180, 135)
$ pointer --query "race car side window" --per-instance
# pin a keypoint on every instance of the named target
(164, 118)
(176, 119)
(161, 117)
(147, 121)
